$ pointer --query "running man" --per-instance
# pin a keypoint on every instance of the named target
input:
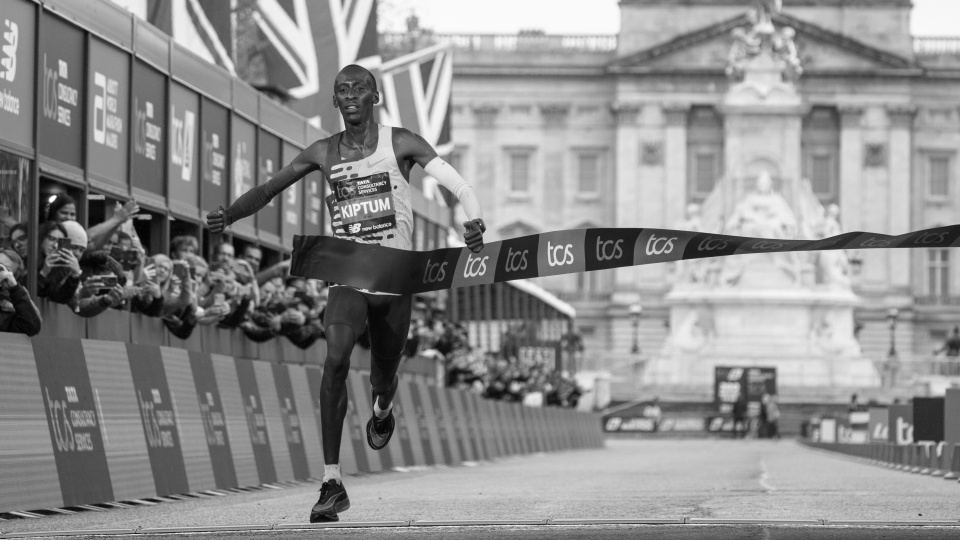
(369, 162)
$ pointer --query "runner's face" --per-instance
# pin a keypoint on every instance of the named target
(355, 96)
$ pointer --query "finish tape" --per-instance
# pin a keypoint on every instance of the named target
(383, 269)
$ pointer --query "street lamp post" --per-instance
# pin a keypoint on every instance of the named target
(635, 311)
(892, 315)
(893, 362)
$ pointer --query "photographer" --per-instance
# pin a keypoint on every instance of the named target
(183, 245)
(103, 285)
(18, 313)
(59, 267)
(182, 322)
(212, 294)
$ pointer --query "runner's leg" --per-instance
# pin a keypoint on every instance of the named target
(343, 320)
(389, 324)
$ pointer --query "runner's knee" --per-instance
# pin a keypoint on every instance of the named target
(340, 341)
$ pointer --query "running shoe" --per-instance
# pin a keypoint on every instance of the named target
(333, 500)
(379, 431)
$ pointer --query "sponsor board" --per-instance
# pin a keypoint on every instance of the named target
(609, 248)
(256, 421)
(900, 422)
(476, 268)
(17, 60)
(108, 113)
(655, 246)
(75, 421)
(214, 420)
(877, 429)
(158, 414)
(928, 418)
(214, 151)
(518, 258)
(290, 418)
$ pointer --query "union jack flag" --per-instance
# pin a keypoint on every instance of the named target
(415, 93)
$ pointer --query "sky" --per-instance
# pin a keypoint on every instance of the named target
(929, 18)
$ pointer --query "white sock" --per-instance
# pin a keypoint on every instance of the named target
(332, 472)
(381, 414)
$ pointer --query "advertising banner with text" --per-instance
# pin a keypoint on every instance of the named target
(214, 157)
(62, 49)
(108, 115)
(75, 425)
(268, 218)
(243, 157)
(183, 171)
(149, 129)
(17, 60)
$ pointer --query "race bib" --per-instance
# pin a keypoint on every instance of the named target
(363, 206)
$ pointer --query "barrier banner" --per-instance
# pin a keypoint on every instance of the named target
(28, 469)
(274, 420)
(159, 418)
(460, 422)
(401, 451)
(384, 269)
(951, 409)
(928, 419)
(422, 390)
(441, 419)
(355, 428)
(413, 419)
(429, 456)
(214, 420)
(363, 396)
(475, 426)
(308, 409)
(900, 430)
(256, 421)
(74, 421)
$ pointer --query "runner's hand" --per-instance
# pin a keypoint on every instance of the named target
(474, 234)
(217, 220)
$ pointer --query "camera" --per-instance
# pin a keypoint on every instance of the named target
(127, 257)
(182, 271)
(103, 284)
(64, 243)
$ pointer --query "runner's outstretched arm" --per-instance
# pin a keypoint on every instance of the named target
(256, 198)
(414, 147)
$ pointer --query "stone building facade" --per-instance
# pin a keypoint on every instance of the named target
(564, 132)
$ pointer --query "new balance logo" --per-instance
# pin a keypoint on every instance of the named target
(11, 40)
(354, 228)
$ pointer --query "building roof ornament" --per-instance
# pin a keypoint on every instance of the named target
(763, 39)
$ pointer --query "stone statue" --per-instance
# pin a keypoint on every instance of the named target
(832, 266)
(694, 270)
(765, 10)
(763, 38)
(763, 213)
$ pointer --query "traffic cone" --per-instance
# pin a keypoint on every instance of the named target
(924, 455)
(936, 459)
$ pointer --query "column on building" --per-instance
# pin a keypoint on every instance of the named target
(875, 197)
(485, 117)
(851, 167)
(900, 165)
(556, 181)
(632, 207)
(675, 135)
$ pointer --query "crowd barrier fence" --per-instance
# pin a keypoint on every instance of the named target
(85, 421)
(935, 459)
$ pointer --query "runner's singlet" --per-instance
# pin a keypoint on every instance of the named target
(370, 199)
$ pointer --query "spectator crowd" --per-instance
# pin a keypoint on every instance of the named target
(106, 267)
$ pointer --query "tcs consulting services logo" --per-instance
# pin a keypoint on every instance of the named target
(562, 252)
(610, 248)
(660, 245)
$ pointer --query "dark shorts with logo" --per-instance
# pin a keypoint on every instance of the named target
(388, 317)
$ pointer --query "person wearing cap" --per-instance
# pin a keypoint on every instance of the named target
(18, 313)
(59, 268)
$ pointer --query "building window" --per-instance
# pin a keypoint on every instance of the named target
(938, 272)
(938, 176)
(704, 151)
(820, 141)
(520, 170)
(589, 171)
(705, 171)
